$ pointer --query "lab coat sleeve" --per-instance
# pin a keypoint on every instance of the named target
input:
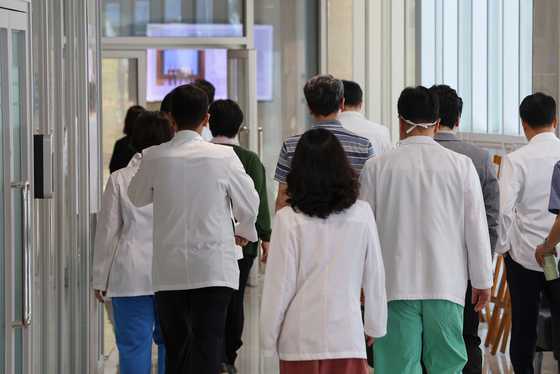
(491, 192)
(373, 284)
(387, 146)
(509, 191)
(141, 190)
(476, 232)
(279, 284)
(107, 235)
(244, 198)
(367, 184)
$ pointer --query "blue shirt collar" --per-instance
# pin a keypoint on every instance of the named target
(327, 122)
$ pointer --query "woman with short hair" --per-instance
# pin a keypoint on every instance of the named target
(122, 153)
(324, 249)
(122, 256)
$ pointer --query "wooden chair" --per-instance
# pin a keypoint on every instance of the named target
(499, 319)
(498, 161)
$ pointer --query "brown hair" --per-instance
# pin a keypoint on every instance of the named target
(321, 180)
(151, 128)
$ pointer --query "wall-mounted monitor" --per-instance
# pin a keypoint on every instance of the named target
(167, 69)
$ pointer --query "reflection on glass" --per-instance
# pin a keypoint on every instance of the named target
(294, 57)
(119, 82)
(134, 18)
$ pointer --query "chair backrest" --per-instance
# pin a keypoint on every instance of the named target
(498, 161)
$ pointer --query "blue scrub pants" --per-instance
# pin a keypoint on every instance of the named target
(136, 324)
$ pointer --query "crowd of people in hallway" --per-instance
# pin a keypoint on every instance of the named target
(377, 255)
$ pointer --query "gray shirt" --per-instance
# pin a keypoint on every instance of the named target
(554, 202)
(487, 174)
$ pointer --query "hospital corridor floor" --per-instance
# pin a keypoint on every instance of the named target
(251, 362)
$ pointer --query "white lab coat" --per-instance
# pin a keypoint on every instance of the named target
(194, 185)
(122, 253)
(378, 135)
(525, 179)
(430, 214)
(310, 307)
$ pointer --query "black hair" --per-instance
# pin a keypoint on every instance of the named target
(151, 128)
(321, 180)
(352, 93)
(132, 113)
(189, 106)
(207, 87)
(418, 104)
(538, 110)
(166, 104)
(324, 94)
(450, 105)
(225, 118)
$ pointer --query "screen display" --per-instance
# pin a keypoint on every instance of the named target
(167, 69)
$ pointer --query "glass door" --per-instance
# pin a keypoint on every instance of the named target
(15, 219)
(242, 88)
(123, 85)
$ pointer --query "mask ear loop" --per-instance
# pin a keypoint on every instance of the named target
(414, 125)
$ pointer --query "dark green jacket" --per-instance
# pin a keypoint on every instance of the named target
(254, 167)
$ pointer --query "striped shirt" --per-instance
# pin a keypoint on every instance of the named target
(358, 149)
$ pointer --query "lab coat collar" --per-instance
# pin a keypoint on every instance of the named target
(447, 136)
(187, 134)
(351, 113)
(418, 139)
(542, 137)
(135, 159)
(223, 140)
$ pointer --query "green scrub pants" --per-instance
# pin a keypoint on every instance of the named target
(436, 326)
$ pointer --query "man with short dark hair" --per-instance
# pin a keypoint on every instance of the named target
(210, 91)
(325, 100)
(524, 223)
(226, 118)
(353, 120)
(450, 108)
(196, 187)
(428, 205)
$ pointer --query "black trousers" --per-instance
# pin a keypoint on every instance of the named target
(235, 317)
(470, 336)
(525, 288)
(192, 323)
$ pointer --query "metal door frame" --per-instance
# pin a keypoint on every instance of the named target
(139, 55)
(17, 16)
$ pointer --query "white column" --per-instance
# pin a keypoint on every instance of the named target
(373, 87)
(397, 62)
(427, 29)
(510, 81)
(450, 36)
(479, 66)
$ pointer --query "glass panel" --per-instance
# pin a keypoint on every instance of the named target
(119, 85)
(17, 39)
(295, 46)
(526, 52)
(203, 18)
(465, 63)
(3, 50)
(495, 67)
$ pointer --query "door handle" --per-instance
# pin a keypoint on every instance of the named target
(26, 255)
(261, 142)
